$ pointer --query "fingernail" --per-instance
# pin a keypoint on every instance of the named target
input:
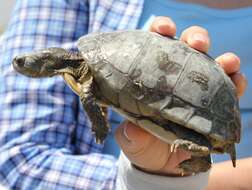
(231, 57)
(199, 37)
(166, 27)
(125, 132)
(161, 27)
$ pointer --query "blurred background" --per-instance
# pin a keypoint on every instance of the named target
(5, 10)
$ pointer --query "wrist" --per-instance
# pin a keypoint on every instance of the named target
(130, 177)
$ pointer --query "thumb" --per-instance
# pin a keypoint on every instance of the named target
(146, 151)
(132, 138)
(140, 147)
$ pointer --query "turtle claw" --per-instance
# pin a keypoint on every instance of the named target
(174, 147)
(98, 141)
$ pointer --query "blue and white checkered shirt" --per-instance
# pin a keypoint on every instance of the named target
(45, 138)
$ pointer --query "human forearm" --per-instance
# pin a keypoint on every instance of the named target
(224, 176)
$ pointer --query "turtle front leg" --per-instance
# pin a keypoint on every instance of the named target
(98, 119)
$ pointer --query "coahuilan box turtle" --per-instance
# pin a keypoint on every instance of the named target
(161, 84)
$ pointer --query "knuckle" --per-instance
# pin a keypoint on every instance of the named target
(157, 20)
(188, 32)
(233, 56)
(162, 18)
(200, 29)
(196, 28)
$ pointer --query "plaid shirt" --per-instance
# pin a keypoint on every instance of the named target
(45, 138)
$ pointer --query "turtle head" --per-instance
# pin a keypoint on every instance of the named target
(42, 63)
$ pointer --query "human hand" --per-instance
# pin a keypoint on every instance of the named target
(148, 152)
(197, 38)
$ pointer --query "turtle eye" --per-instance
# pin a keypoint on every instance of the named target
(20, 61)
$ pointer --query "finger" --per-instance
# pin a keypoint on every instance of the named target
(229, 62)
(164, 26)
(197, 38)
(240, 82)
(132, 138)
(175, 159)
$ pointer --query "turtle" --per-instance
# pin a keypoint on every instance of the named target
(162, 85)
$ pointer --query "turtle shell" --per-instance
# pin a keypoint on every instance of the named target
(147, 76)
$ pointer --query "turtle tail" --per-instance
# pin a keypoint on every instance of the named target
(232, 152)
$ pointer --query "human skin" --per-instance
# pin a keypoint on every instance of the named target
(224, 176)
(135, 142)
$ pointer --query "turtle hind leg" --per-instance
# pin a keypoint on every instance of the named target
(98, 119)
(195, 149)
(196, 164)
(200, 160)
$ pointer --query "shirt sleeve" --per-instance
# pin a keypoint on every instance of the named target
(45, 139)
(131, 178)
